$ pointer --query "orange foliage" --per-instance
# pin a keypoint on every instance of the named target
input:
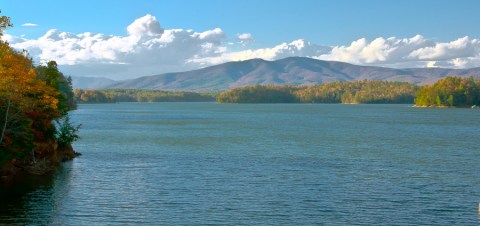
(23, 96)
(19, 84)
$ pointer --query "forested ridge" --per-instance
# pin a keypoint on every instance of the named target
(450, 92)
(369, 92)
(139, 95)
(36, 132)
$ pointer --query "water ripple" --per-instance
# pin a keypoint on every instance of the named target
(202, 163)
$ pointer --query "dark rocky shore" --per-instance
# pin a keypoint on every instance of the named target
(45, 159)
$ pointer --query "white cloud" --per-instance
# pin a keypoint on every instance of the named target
(147, 49)
(298, 47)
(408, 52)
(380, 50)
(460, 48)
(29, 25)
(145, 26)
(12, 39)
(416, 51)
(245, 39)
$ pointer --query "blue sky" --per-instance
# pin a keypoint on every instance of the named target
(268, 24)
(270, 21)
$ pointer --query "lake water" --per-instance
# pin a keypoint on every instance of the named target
(282, 164)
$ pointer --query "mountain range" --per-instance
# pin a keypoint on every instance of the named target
(292, 70)
(91, 82)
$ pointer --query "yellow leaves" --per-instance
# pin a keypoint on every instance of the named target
(450, 91)
(333, 92)
(18, 83)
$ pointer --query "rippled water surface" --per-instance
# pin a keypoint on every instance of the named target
(205, 163)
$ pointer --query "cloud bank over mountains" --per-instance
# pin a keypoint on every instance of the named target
(149, 49)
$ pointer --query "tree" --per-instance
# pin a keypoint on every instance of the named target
(31, 98)
(54, 78)
(450, 100)
(4, 23)
(67, 133)
(20, 92)
(450, 91)
(22, 95)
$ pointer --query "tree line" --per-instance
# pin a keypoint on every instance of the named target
(139, 95)
(450, 92)
(447, 92)
(368, 92)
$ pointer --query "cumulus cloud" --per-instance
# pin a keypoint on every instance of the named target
(12, 39)
(460, 48)
(298, 47)
(29, 25)
(378, 51)
(147, 48)
(245, 39)
(408, 52)
(145, 26)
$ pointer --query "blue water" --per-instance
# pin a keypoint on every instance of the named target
(282, 164)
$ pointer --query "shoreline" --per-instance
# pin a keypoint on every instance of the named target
(464, 107)
(15, 170)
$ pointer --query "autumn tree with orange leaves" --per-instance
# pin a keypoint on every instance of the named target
(31, 99)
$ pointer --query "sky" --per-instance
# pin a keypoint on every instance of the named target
(125, 39)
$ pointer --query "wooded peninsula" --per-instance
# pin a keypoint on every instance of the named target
(36, 132)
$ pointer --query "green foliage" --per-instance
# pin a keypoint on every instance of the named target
(450, 92)
(333, 92)
(138, 95)
(66, 133)
(20, 139)
(91, 96)
(27, 104)
(55, 79)
(31, 98)
(259, 94)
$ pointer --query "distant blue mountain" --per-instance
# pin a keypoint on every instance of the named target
(91, 82)
(292, 70)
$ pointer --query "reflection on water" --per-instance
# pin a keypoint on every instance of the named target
(34, 199)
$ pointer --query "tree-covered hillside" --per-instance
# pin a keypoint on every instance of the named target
(139, 95)
(259, 94)
(333, 92)
(450, 92)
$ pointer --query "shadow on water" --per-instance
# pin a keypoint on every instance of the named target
(33, 199)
